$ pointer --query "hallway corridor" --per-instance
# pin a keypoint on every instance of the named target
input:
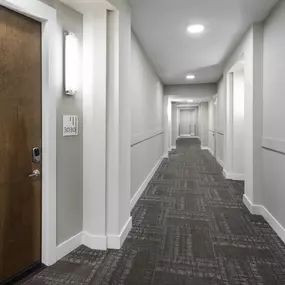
(189, 227)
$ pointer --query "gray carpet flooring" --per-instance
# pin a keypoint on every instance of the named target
(189, 227)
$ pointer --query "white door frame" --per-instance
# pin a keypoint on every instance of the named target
(179, 110)
(228, 171)
(47, 16)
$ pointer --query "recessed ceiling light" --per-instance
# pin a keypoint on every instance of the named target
(196, 29)
(190, 101)
(190, 77)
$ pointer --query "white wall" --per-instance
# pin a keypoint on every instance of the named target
(203, 122)
(212, 127)
(174, 128)
(147, 117)
(273, 114)
(221, 116)
(69, 150)
(250, 50)
(191, 91)
(107, 135)
(125, 95)
(238, 123)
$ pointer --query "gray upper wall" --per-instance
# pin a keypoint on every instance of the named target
(69, 150)
(198, 91)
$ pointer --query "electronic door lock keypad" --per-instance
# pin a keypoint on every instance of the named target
(36, 155)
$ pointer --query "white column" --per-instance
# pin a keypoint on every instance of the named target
(119, 176)
(94, 130)
(107, 126)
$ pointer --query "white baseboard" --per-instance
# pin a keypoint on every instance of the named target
(68, 246)
(208, 149)
(94, 241)
(233, 176)
(173, 147)
(166, 155)
(145, 183)
(254, 209)
(188, 137)
(116, 241)
(204, 148)
(220, 162)
(261, 210)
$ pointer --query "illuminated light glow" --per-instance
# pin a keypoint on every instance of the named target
(196, 29)
(190, 77)
(71, 64)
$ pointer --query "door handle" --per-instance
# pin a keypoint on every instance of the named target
(36, 173)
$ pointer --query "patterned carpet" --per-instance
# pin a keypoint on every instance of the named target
(190, 227)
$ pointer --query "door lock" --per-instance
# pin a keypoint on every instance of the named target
(36, 155)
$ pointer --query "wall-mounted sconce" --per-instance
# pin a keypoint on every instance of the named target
(71, 63)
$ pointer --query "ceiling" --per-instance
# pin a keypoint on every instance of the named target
(161, 28)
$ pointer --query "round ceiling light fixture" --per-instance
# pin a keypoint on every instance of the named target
(195, 29)
(190, 101)
(190, 77)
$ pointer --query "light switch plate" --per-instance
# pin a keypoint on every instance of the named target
(70, 126)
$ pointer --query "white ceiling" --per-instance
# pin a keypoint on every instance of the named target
(161, 27)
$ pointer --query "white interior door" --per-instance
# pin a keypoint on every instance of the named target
(185, 119)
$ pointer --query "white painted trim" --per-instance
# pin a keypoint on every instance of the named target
(85, 8)
(220, 162)
(218, 159)
(261, 210)
(272, 221)
(254, 209)
(273, 144)
(208, 149)
(145, 183)
(68, 246)
(211, 151)
(47, 16)
(116, 241)
(166, 155)
(94, 242)
(173, 147)
(205, 148)
(233, 176)
(188, 137)
(136, 138)
(98, 242)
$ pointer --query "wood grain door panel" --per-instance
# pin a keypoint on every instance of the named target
(20, 131)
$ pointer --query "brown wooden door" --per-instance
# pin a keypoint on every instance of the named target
(20, 131)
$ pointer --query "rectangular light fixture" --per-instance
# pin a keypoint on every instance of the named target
(71, 64)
